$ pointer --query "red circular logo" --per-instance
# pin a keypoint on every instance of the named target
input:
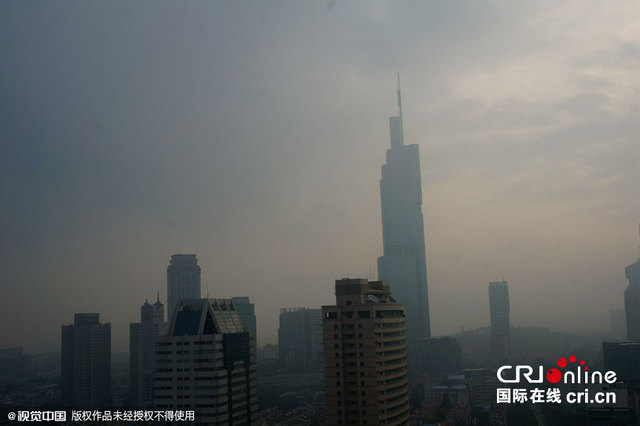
(554, 375)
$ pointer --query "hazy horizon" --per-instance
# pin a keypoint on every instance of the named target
(252, 134)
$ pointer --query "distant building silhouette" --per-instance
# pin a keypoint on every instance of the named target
(499, 308)
(15, 363)
(300, 339)
(206, 363)
(247, 313)
(482, 384)
(453, 391)
(183, 280)
(624, 359)
(86, 363)
(403, 263)
(439, 357)
(607, 416)
(365, 360)
(632, 301)
(142, 336)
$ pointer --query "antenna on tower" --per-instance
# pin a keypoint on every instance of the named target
(399, 99)
(638, 236)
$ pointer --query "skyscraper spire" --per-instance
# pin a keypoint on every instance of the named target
(399, 100)
(395, 123)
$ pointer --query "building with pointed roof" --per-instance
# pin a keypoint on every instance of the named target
(206, 363)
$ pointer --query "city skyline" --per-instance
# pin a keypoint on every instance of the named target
(125, 142)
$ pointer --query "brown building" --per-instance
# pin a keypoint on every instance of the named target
(365, 360)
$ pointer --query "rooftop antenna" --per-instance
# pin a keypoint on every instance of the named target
(639, 236)
(158, 301)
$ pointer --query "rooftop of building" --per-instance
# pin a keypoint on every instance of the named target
(623, 344)
(205, 316)
(363, 291)
(86, 318)
(180, 259)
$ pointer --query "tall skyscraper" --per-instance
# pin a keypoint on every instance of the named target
(300, 339)
(183, 280)
(403, 264)
(206, 363)
(632, 301)
(365, 360)
(246, 311)
(142, 337)
(499, 309)
(86, 363)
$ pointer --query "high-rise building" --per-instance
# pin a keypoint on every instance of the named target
(86, 363)
(403, 264)
(300, 339)
(205, 363)
(247, 313)
(142, 336)
(632, 301)
(624, 359)
(365, 360)
(499, 310)
(183, 280)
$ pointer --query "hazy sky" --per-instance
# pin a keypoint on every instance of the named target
(252, 134)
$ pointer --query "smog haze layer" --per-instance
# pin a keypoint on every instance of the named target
(252, 134)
